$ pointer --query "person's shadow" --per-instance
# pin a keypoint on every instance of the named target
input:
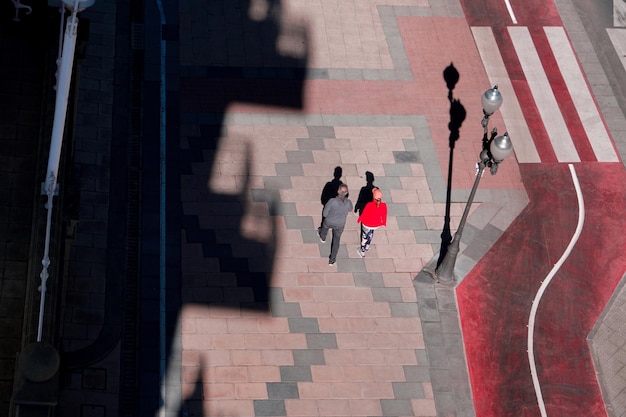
(237, 269)
(365, 194)
(330, 189)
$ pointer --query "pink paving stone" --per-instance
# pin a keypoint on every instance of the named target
(301, 408)
(351, 341)
(358, 373)
(365, 407)
(345, 390)
(398, 279)
(277, 357)
(191, 357)
(425, 407)
(354, 156)
(327, 294)
(264, 373)
(305, 250)
(273, 325)
(355, 356)
(255, 391)
(298, 294)
(245, 357)
(395, 341)
(310, 280)
(389, 251)
(284, 279)
(352, 324)
(408, 295)
(242, 325)
(218, 391)
(380, 265)
(323, 373)
(359, 309)
(428, 390)
(187, 390)
(291, 340)
(377, 309)
(231, 374)
(314, 390)
(197, 341)
(408, 265)
(300, 194)
(403, 196)
(210, 325)
(315, 309)
(188, 325)
(377, 390)
(260, 341)
(400, 236)
(190, 374)
(229, 341)
(296, 265)
(215, 358)
(334, 407)
(231, 408)
(387, 373)
(309, 208)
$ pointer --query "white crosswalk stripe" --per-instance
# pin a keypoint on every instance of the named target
(523, 144)
(543, 94)
(581, 96)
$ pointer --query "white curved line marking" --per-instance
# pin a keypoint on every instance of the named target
(544, 285)
(510, 9)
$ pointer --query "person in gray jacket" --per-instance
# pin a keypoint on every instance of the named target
(335, 212)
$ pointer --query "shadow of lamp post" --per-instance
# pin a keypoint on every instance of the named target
(495, 150)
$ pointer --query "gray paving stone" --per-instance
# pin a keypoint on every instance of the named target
(282, 390)
(307, 357)
(303, 325)
(269, 408)
(396, 407)
(295, 374)
(321, 341)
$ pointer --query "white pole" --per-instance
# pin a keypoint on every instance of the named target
(56, 142)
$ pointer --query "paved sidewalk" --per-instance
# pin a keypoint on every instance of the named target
(368, 337)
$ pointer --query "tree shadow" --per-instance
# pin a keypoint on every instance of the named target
(457, 116)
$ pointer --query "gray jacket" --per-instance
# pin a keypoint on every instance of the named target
(336, 211)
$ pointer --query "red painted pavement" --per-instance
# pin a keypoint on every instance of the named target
(495, 298)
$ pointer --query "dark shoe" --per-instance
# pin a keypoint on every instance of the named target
(331, 263)
(320, 236)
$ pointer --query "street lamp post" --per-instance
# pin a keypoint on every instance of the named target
(495, 150)
(49, 187)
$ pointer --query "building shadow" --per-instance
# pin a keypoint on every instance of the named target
(228, 268)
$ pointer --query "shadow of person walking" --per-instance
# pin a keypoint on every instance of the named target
(365, 194)
(330, 189)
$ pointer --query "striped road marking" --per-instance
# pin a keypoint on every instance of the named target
(523, 144)
(543, 95)
(581, 96)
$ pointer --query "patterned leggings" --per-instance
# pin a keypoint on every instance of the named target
(366, 237)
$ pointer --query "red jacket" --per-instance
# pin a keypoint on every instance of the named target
(373, 216)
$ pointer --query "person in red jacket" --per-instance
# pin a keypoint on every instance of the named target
(374, 215)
